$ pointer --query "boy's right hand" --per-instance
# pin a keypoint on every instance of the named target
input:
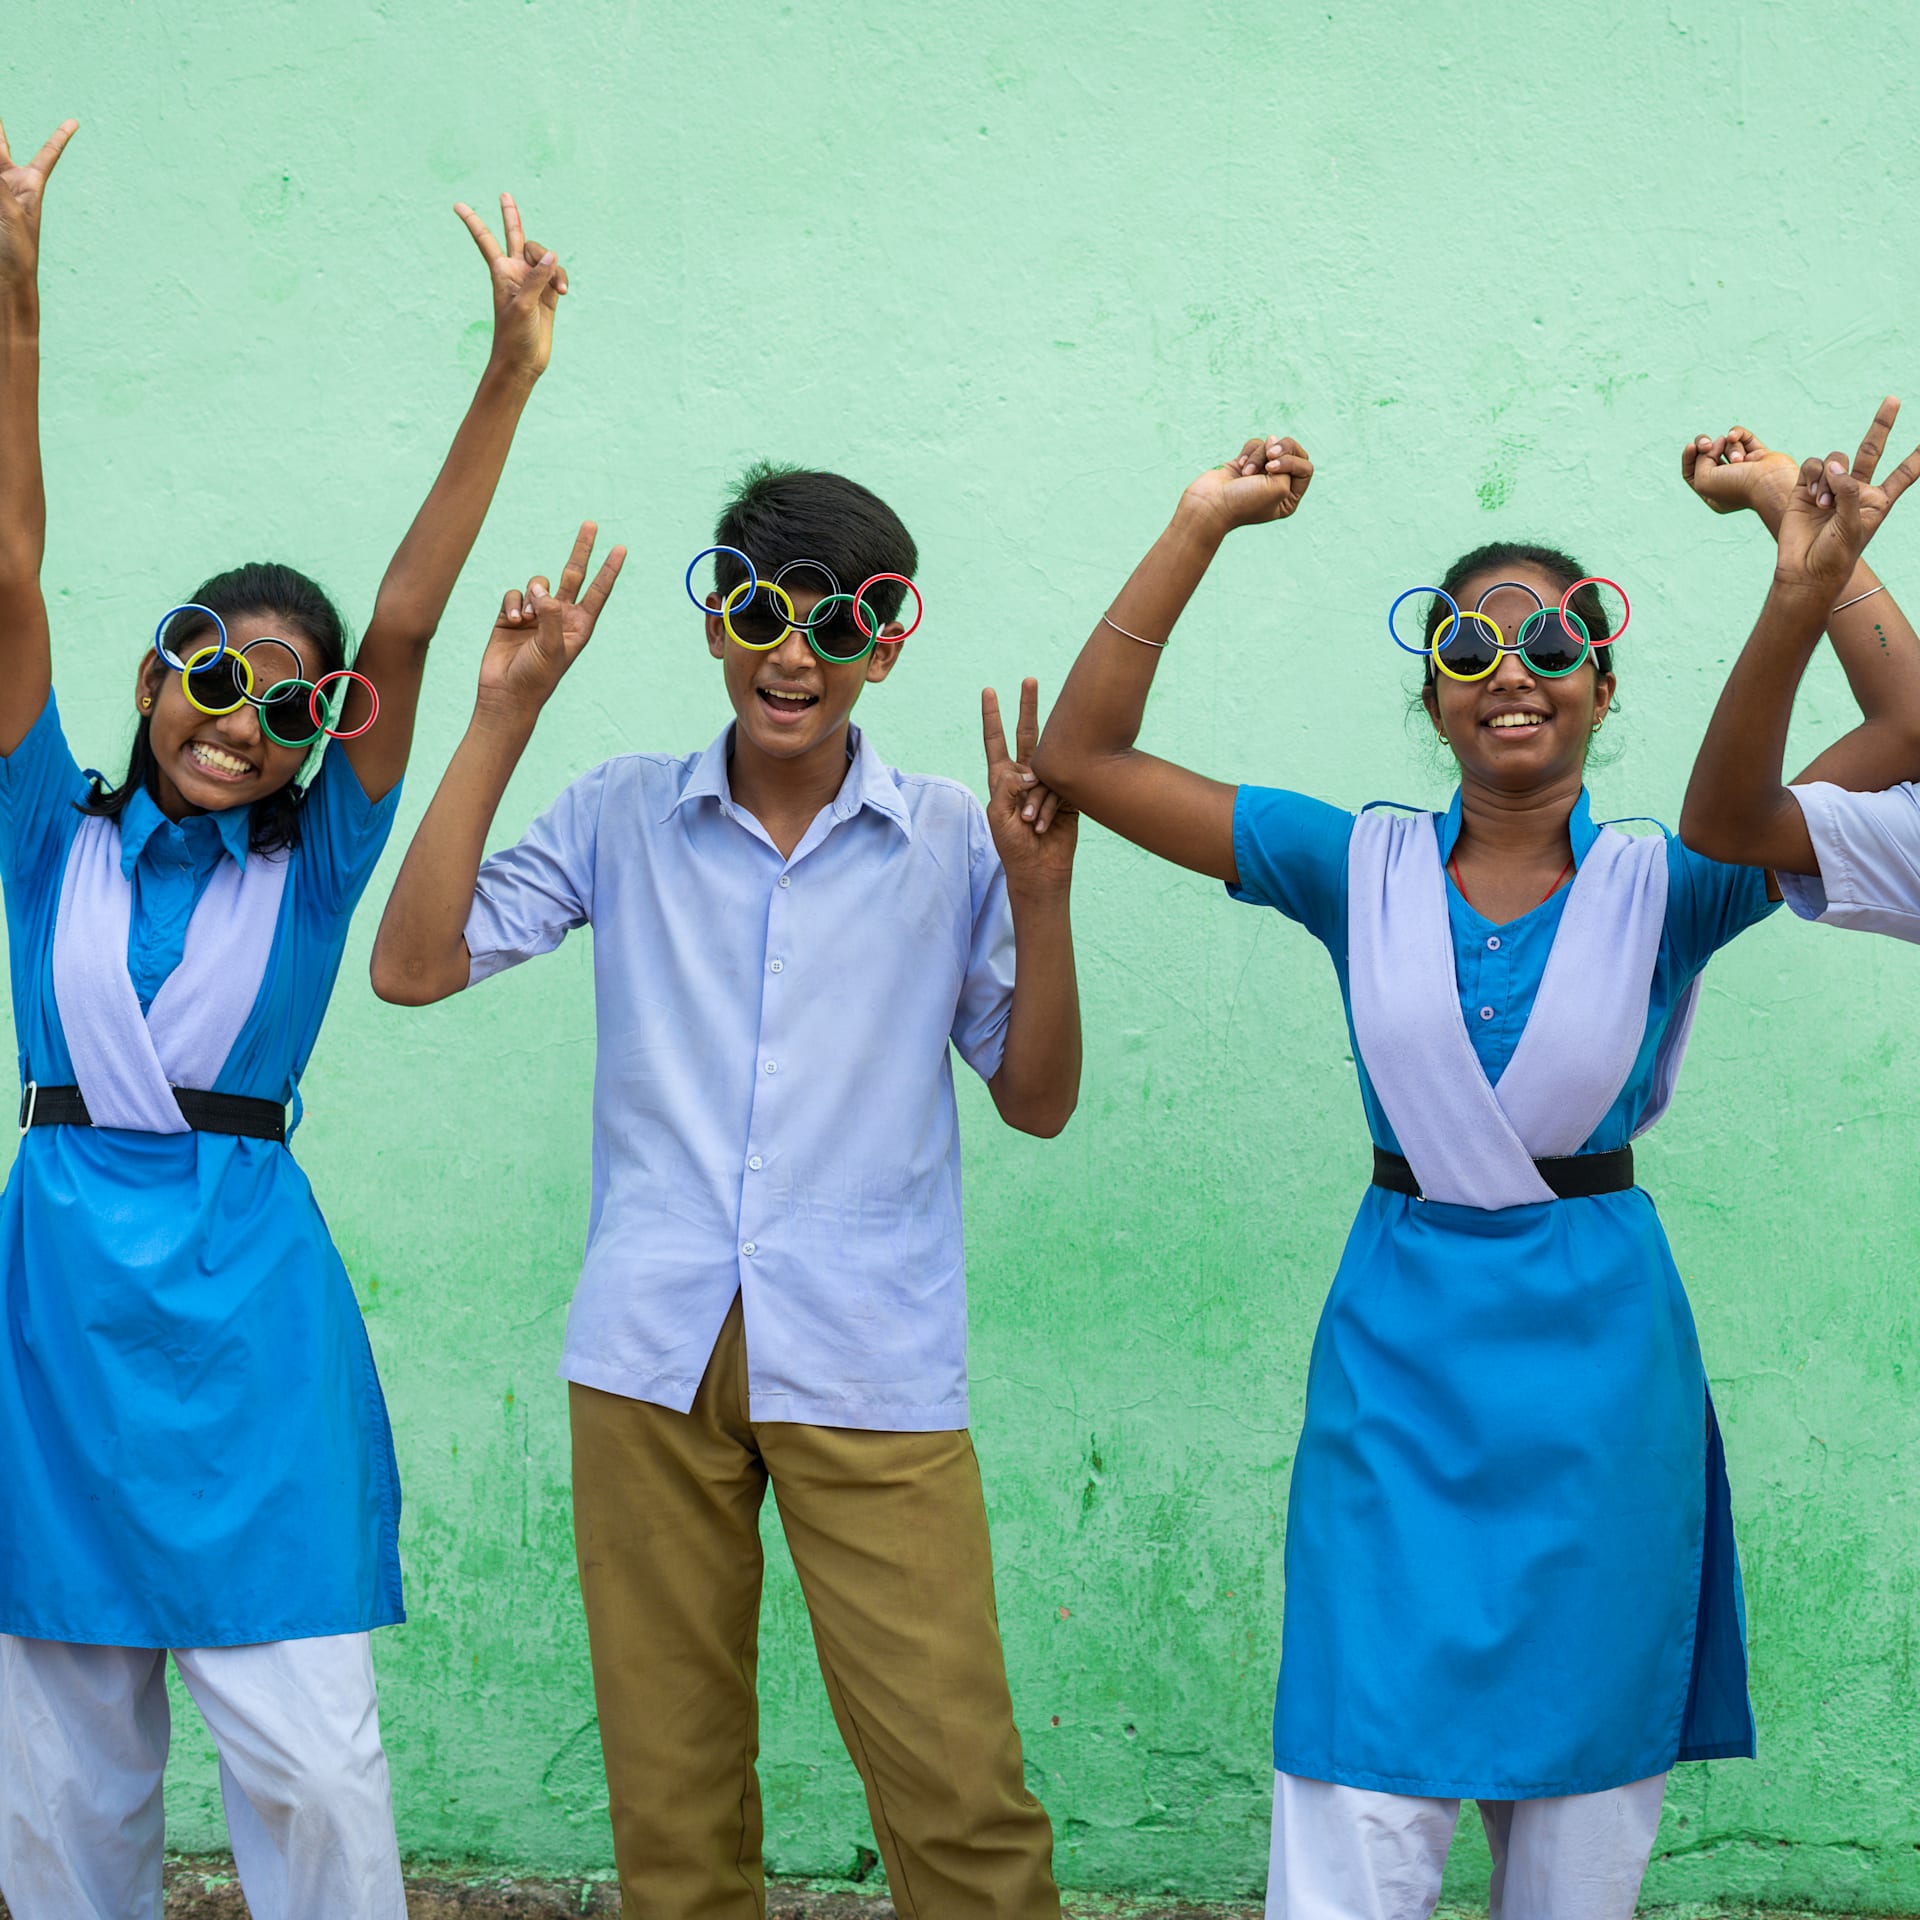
(1266, 480)
(541, 632)
(22, 190)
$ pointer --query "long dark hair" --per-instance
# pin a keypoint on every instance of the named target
(271, 591)
(1499, 555)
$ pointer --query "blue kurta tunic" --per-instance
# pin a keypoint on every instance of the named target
(1510, 1560)
(195, 1446)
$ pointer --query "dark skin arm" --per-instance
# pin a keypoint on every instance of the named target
(1088, 755)
(1038, 1083)
(1738, 807)
(527, 284)
(420, 953)
(26, 661)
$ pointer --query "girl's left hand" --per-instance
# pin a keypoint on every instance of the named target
(1034, 830)
(527, 284)
(1738, 470)
(1836, 509)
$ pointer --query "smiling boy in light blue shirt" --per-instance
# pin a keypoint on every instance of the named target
(789, 936)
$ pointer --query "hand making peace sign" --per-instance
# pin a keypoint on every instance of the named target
(527, 284)
(1033, 830)
(1836, 509)
(540, 633)
(21, 191)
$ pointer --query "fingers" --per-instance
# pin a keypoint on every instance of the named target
(1814, 480)
(511, 607)
(1248, 459)
(538, 587)
(516, 240)
(993, 730)
(596, 595)
(1875, 444)
(532, 254)
(1844, 490)
(1049, 806)
(574, 573)
(44, 162)
(536, 284)
(1902, 477)
(1286, 455)
(1026, 732)
(482, 235)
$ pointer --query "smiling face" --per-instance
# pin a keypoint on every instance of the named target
(1517, 730)
(206, 762)
(789, 702)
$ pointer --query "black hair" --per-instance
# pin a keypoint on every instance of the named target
(776, 515)
(1499, 555)
(290, 600)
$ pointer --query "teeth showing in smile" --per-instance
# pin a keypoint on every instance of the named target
(1516, 720)
(793, 702)
(216, 760)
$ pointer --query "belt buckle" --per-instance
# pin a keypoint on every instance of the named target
(29, 1099)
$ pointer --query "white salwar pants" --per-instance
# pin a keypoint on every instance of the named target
(83, 1746)
(1347, 1853)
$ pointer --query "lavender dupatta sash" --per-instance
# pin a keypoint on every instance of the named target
(127, 1064)
(1469, 1142)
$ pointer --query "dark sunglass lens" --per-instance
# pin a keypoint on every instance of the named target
(217, 684)
(1552, 647)
(1468, 649)
(288, 718)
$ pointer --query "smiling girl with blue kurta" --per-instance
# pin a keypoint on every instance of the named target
(1510, 1563)
(194, 1442)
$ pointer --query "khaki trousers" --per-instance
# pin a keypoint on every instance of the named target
(889, 1536)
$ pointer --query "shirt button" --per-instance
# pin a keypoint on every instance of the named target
(756, 1163)
(773, 1066)
(786, 879)
(776, 966)
(1486, 1013)
(749, 1249)
(1493, 943)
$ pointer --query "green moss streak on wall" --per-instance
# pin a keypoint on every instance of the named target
(1025, 274)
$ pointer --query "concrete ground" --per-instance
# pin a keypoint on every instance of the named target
(205, 1890)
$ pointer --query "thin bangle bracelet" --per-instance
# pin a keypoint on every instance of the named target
(1141, 637)
(1855, 601)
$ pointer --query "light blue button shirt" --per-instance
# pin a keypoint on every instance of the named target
(773, 1106)
(1868, 847)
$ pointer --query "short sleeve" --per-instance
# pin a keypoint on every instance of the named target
(1709, 904)
(342, 832)
(1291, 854)
(1868, 847)
(986, 994)
(529, 897)
(39, 785)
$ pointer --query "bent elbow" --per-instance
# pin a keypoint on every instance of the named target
(400, 985)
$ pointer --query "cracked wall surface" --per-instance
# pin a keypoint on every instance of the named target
(1025, 272)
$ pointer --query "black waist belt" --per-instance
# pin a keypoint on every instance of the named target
(1577, 1176)
(203, 1112)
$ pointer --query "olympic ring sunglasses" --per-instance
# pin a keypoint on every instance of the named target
(221, 679)
(1552, 641)
(841, 628)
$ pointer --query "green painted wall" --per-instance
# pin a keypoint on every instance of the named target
(1491, 262)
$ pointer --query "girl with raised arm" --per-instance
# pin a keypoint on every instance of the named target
(1510, 1567)
(195, 1448)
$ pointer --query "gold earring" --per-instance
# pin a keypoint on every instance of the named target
(146, 700)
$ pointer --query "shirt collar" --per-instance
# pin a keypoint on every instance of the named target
(1580, 828)
(226, 831)
(869, 782)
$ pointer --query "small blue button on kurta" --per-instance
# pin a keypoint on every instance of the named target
(195, 1444)
(1510, 1561)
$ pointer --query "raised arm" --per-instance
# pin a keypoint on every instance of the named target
(26, 661)
(527, 285)
(420, 954)
(1038, 1082)
(1087, 754)
(1738, 807)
